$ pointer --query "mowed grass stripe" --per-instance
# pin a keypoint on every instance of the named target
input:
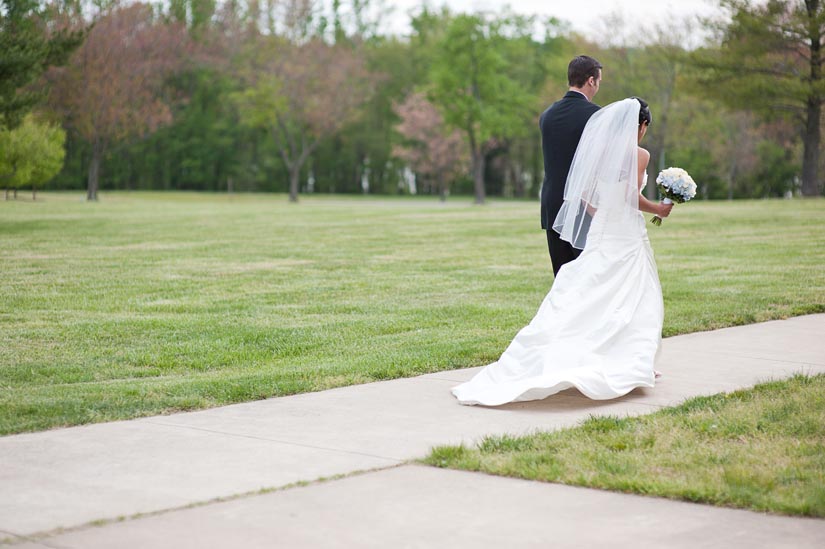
(149, 303)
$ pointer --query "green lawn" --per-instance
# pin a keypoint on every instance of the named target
(762, 449)
(150, 303)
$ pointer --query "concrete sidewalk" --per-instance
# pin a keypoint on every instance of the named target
(417, 506)
(70, 477)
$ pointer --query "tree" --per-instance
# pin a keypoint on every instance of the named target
(201, 149)
(194, 14)
(472, 87)
(29, 48)
(770, 58)
(430, 150)
(112, 90)
(537, 67)
(647, 62)
(372, 136)
(301, 94)
(30, 154)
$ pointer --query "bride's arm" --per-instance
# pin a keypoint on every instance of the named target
(656, 208)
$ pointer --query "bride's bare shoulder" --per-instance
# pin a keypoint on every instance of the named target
(644, 157)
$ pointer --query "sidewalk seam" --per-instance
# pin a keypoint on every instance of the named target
(17, 539)
(43, 535)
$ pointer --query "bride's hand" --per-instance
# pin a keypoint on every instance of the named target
(664, 210)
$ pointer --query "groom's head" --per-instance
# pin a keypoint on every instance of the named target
(584, 74)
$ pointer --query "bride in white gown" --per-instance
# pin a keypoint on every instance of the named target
(599, 329)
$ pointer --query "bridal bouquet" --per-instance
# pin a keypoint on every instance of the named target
(676, 186)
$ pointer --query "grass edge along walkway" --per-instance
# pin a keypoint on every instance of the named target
(761, 449)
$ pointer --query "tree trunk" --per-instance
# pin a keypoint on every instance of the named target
(442, 188)
(731, 175)
(478, 176)
(518, 178)
(538, 166)
(810, 159)
(658, 160)
(34, 193)
(652, 190)
(15, 193)
(294, 179)
(94, 172)
(7, 193)
(811, 139)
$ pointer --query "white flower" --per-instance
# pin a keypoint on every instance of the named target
(676, 182)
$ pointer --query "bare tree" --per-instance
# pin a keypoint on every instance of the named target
(112, 89)
(301, 94)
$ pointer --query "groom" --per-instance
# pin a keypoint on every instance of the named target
(561, 127)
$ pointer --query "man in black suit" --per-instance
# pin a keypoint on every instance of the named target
(561, 127)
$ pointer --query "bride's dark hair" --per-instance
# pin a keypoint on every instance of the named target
(644, 112)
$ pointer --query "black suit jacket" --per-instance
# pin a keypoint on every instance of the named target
(561, 127)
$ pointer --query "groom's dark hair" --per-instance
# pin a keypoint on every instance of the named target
(580, 69)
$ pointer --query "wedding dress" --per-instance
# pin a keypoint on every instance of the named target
(599, 329)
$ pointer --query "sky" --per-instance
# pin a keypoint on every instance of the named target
(583, 15)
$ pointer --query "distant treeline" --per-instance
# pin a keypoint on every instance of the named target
(300, 96)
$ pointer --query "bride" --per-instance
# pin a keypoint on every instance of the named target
(600, 327)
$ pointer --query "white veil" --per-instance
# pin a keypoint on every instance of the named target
(603, 178)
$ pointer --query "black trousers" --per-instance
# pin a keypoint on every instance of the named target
(561, 251)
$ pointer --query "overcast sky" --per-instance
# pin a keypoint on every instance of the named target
(583, 15)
